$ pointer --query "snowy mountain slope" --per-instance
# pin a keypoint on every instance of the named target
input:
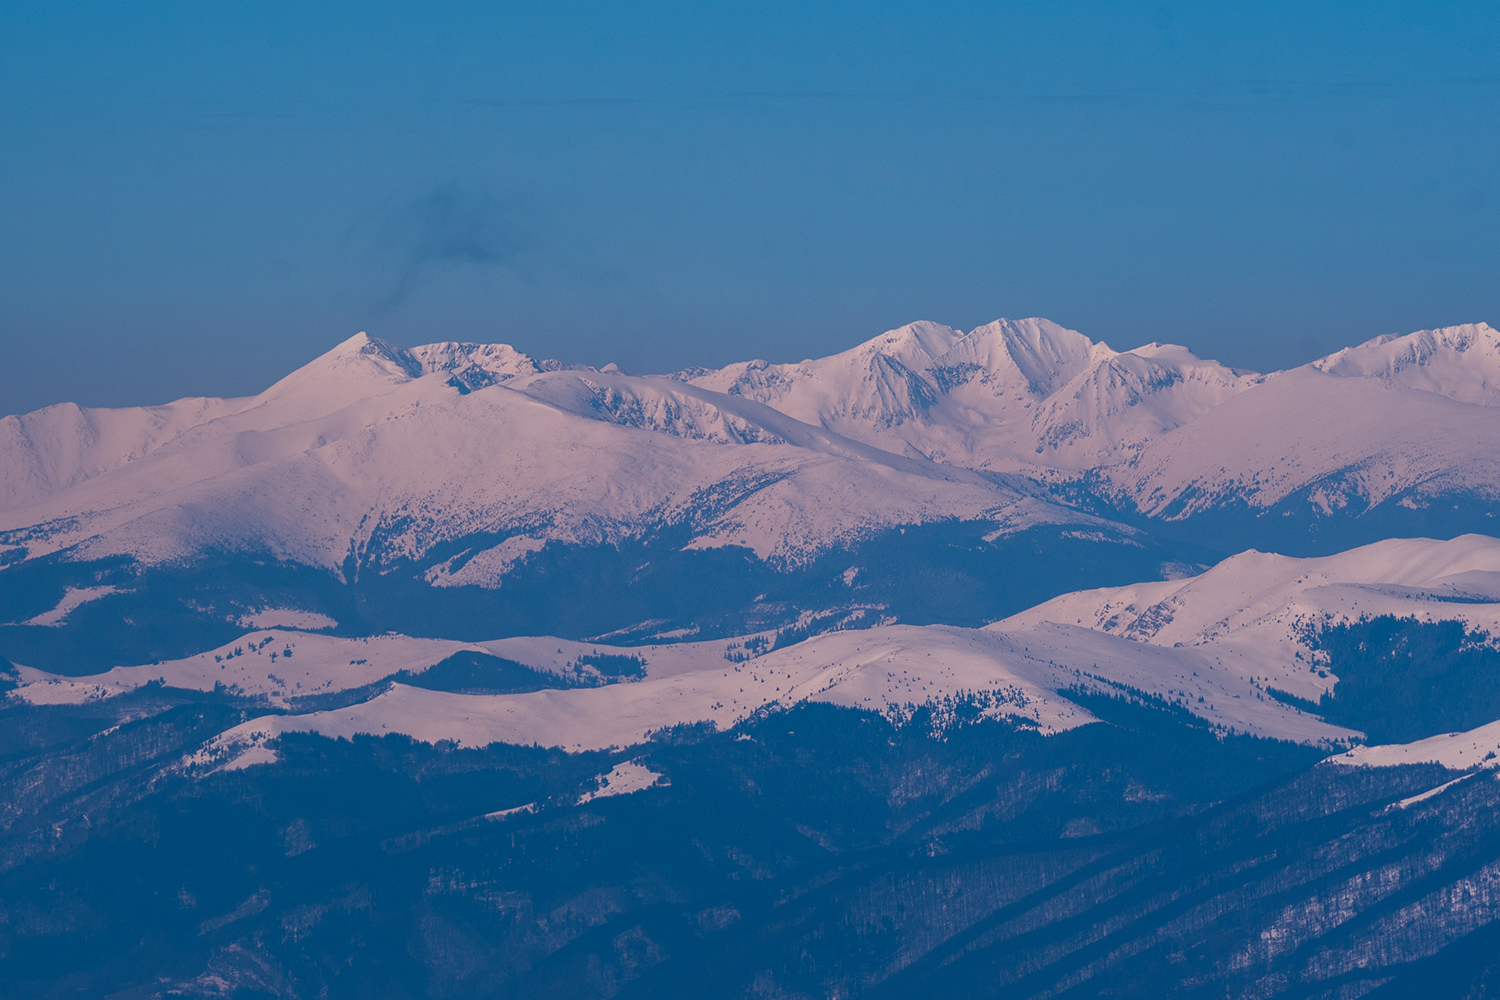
(409, 480)
(881, 669)
(887, 669)
(1346, 443)
(313, 664)
(52, 449)
(1027, 395)
(360, 454)
(1407, 424)
(1256, 612)
(375, 449)
(1460, 362)
(278, 664)
(1019, 671)
(1479, 747)
(1211, 645)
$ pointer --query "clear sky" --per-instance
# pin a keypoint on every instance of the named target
(197, 197)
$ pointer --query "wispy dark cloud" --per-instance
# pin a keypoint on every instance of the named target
(450, 228)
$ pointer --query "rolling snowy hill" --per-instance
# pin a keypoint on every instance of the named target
(1236, 647)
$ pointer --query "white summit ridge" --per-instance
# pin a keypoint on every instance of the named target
(375, 453)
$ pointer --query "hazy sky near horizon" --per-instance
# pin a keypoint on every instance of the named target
(196, 198)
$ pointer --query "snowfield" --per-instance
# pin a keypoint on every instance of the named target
(373, 453)
(364, 455)
(1255, 610)
(1211, 645)
(1479, 747)
(465, 461)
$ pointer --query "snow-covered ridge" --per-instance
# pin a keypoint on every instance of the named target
(1476, 748)
(1009, 396)
(1212, 645)
(383, 453)
(1460, 362)
(365, 452)
(1257, 611)
(1409, 417)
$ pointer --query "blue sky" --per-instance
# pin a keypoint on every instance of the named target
(195, 198)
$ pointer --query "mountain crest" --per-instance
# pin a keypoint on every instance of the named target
(474, 366)
(1460, 362)
(1044, 355)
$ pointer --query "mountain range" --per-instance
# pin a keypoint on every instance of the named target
(1015, 663)
(376, 478)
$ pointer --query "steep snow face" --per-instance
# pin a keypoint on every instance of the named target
(360, 368)
(51, 450)
(374, 452)
(365, 458)
(1253, 612)
(878, 383)
(1121, 403)
(1460, 362)
(1349, 442)
(1011, 396)
(474, 366)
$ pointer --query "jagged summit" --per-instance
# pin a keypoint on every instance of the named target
(474, 366)
(359, 368)
(1010, 396)
(1460, 362)
(1043, 354)
(929, 421)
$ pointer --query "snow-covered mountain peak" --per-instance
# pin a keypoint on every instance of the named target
(380, 426)
(877, 382)
(994, 398)
(473, 366)
(1044, 355)
(915, 345)
(1123, 400)
(359, 355)
(359, 368)
(1460, 362)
